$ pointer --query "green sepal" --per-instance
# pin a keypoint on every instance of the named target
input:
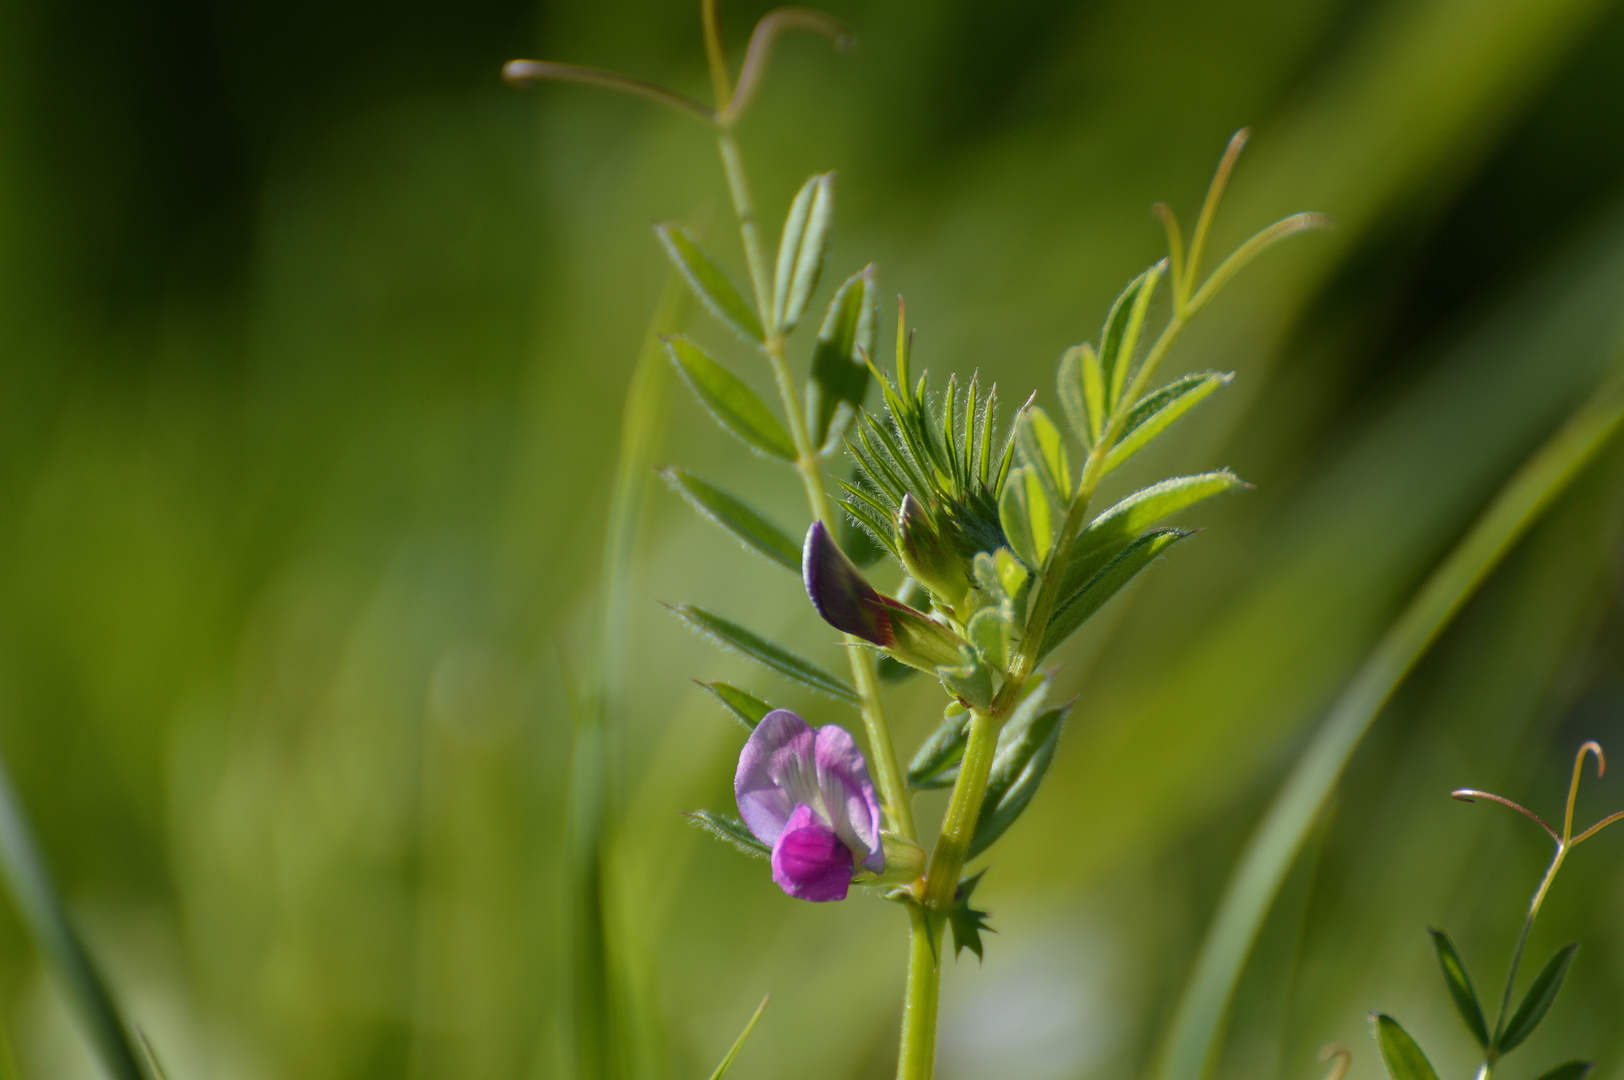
(934, 764)
(1154, 412)
(840, 374)
(742, 705)
(734, 405)
(1400, 1054)
(1081, 605)
(1541, 992)
(1017, 773)
(801, 248)
(967, 922)
(730, 830)
(732, 635)
(750, 527)
(1460, 987)
(709, 283)
(1073, 396)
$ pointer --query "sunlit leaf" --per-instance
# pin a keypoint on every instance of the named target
(741, 704)
(738, 1044)
(1024, 514)
(1569, 1070)
(1113, 529)
(1120, 334)
(734, 405)
(1402, 1057)
(1017, 773)
(759, 649)
(709, 283)
(755, 531)
(801, 249)
(1460, 987)
(1073, 397)
(1043, 451)
(840, 375)
(1541, 992)
(1152, 415)
(1081, 605)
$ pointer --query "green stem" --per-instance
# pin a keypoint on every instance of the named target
(916, 1060)
(1522, 938)
(893, 791)
(964, 806)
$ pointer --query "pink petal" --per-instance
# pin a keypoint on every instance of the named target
(809, 860)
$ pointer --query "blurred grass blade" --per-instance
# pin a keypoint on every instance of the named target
(759, 649)
(755, 531)
(1460, 987)
(1541, 992)
(40, 908)
(738, 1044)
(1279, 837)
(153, 1063)
(1155, 412)
(745, 707)
(1017, 773)
(1082, 604)
(1400, 1054)
(840, 375)
(734, 405)
(729, 830)
(709, 283)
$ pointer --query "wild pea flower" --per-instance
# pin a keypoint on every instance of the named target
(805, 793)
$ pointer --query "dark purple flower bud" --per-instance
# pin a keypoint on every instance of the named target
(806, 793)
(838, 590)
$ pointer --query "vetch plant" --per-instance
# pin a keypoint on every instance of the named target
(1401, 1054)
(992, 522)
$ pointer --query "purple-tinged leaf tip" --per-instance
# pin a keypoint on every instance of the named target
(839, 591)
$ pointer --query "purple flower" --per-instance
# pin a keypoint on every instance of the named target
(807, 794)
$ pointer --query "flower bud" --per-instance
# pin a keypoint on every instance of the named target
(927, 555)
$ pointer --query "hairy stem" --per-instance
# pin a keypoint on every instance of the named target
(916, 1059)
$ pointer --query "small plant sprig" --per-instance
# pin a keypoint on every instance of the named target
(1403, 1056)
(1002, 555)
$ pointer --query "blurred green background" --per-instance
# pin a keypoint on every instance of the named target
(315, 341)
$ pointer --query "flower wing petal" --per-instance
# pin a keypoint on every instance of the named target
(848, 795)
(777, 744)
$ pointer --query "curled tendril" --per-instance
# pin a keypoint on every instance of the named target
(1565, 839)
(756, 58)
(1343, 1056)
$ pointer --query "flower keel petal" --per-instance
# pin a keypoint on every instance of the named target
(809, 861)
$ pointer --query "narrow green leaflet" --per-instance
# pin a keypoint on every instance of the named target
(801, 250)
(734, 405)
(1120, 334)
(1043, 451)
(1402, 1057)
(934, 765)
(1025, 515)
(729, 830)
(744, 706)
(759, 649)
(1111, 531)
(1081, 605)
(1570, 1070)
(1460, 987)
(1073, 396)
(755, 531)
(1541, 992)
(1093, 390)
(738, 1044)
(1017, 773)
(840, 373)
(709, 283)
(1154, 412)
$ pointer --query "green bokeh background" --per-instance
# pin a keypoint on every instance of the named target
(314, 339)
